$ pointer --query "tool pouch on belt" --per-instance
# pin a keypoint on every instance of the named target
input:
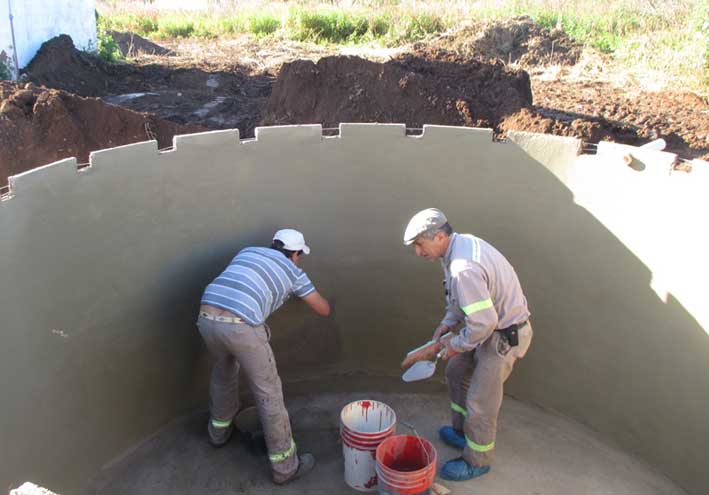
(512, 333)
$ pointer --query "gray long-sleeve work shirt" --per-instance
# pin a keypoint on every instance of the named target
(482, 289)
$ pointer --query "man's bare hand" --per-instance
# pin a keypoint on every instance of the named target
(449, 351)
(427, 353)
(440, 330)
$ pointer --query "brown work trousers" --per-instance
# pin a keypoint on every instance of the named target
(235, 346)
(475, 385)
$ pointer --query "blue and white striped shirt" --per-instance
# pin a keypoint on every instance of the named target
(256, 283)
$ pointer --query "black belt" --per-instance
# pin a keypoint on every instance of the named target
(511, 332)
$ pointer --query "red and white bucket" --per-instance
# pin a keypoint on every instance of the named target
(364, 424)
(406, 465)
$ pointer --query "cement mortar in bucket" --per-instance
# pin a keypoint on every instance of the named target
(364, 424)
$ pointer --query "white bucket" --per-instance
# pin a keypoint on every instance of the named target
(364, 424)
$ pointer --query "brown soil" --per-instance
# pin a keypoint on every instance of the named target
(409, 90)
(132, 45)
(39, 126)
(513, 41)
(462, 78)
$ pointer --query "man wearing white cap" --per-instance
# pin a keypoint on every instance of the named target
(482, 292)
(232, 321)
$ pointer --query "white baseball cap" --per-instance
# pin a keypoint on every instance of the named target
(292, 240)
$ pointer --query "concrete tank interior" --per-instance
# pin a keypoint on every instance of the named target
(104, 376)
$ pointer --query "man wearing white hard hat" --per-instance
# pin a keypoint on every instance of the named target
(232, 321)
(483, 294)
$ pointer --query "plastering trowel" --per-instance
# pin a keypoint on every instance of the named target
(421, 370)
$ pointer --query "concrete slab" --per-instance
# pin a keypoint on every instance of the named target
(538, 453)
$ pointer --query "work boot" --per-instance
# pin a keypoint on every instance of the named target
(460, 470)
(306, 463)
(452, 437)
(219, 437)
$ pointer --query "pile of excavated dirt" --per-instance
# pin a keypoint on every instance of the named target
(59, 65)
(447, 81)
(131, 45)
(40, 126)
(591, 130)
(409, 90)
(514, 41)
(230, 97)
(680, 118)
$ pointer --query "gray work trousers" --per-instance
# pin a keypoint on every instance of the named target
(475, 385)
(235, 346)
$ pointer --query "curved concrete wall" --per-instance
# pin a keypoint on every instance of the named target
(103, 269)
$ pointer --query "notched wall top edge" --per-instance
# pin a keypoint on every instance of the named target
(46, 173)
(209, 139)
(146, 148)
(521, 136)
(284, 133)
(477, 133)
(348, 130)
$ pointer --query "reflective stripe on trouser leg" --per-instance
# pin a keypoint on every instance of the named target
(458, 372)
(483, 401)
(224, 381)
(253, 352)
(456, 408)
(477, 447)
(220, 424)
(282, 456)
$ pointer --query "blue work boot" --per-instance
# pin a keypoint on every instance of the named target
(452, 437)
(459, 470)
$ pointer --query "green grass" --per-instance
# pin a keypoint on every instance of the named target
(322, 25)
(663, 35)
(263, 24)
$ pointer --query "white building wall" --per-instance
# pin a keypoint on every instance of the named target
(36, 21)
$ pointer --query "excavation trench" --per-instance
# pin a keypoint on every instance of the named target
(104, 376)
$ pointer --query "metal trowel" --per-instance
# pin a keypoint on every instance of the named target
(421, 370)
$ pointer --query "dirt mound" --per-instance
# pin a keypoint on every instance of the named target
(682, 119)
(518, 40)
(39, 126)
(58, 64)
(591, 130)
(409, 90)
(131, 45)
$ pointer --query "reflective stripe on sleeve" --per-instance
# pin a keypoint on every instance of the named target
(477, 447)
(220, 424)
(458, 409)
(282, 456)
(477, 306)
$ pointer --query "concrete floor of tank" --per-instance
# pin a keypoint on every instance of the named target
(537, 453)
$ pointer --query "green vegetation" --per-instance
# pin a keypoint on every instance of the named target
(322, 24)
(4, 71)
(263, 24)
(660, 35)
(106, 48)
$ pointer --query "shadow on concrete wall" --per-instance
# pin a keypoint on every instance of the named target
(117, 261)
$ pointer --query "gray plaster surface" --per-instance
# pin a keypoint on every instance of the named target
(103, 268)
(538, 453)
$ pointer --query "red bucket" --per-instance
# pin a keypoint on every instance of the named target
(406, 465)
